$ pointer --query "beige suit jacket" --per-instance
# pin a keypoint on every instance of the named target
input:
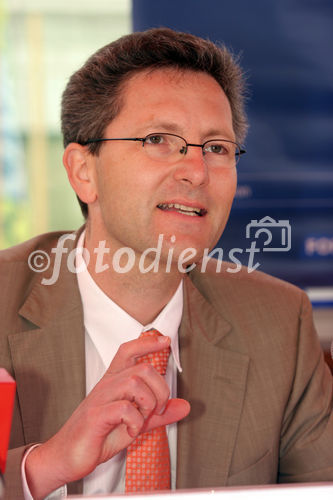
(253, 371)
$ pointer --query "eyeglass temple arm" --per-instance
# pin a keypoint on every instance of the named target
(91, 141)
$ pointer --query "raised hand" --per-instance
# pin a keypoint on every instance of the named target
(131, 398)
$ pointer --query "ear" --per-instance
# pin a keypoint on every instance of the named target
(80, 170)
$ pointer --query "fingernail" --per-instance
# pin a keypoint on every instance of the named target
(162, 410)
(145, 412)
(134, 431)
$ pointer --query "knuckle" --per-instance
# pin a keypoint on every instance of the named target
(126, 407)
(146, 369)
(134, 381)
(122, 348)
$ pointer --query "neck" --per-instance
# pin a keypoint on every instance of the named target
(141, 295)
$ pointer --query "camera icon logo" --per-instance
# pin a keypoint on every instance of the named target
(277, 232)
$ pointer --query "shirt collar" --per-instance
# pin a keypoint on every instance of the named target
(109, 326)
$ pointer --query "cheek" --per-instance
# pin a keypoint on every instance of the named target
(232, 179)
(111, 183)
(225, 192)
(225, 188)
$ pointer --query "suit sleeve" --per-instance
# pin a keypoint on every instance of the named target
(306, 447)
(13, 483)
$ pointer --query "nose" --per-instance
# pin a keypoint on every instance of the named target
(191, 168)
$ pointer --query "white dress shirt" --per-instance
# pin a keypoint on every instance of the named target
(107, 326)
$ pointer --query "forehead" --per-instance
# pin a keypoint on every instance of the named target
(166, 81)
(183, 97)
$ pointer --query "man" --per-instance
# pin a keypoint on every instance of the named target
(152, 125)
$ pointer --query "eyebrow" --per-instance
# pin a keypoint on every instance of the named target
(173, 127)
(167, 126)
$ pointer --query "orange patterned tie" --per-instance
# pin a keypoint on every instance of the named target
(148, 458)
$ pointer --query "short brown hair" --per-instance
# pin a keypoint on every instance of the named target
(92, 98)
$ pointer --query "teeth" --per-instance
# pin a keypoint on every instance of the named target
(181, 208)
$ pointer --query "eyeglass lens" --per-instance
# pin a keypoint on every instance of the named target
(168, 147)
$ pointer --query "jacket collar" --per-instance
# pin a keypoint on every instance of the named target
(214, 382)
(45, 300)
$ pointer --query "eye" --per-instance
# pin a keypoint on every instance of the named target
(216, 148)
(155, 139)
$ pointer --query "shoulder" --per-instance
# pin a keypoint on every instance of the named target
(248, 293)
(269, 319)
(20, 253)
(226, 278)
(22, 264)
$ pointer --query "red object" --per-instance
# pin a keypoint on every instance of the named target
(7, 394)
(148, 457)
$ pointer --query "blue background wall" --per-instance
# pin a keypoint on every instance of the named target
(286, 51)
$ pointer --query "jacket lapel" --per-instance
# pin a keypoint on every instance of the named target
(48, 357)
(213, 381)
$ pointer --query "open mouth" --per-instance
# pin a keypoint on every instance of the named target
(183, 209)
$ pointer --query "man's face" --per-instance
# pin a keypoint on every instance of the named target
(133, 188)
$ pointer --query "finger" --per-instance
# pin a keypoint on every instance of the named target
(143, 385)
(140, 394)
(122, 436)
(140, 383)
(129, 351)
(120, 412)
(175, 410)
(156, 383)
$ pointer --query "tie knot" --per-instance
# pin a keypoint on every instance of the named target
(159, 360)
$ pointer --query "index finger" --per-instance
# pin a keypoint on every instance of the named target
(129, 351)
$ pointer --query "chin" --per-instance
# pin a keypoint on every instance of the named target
(189, 253)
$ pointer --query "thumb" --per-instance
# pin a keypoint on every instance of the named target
(175, 410)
